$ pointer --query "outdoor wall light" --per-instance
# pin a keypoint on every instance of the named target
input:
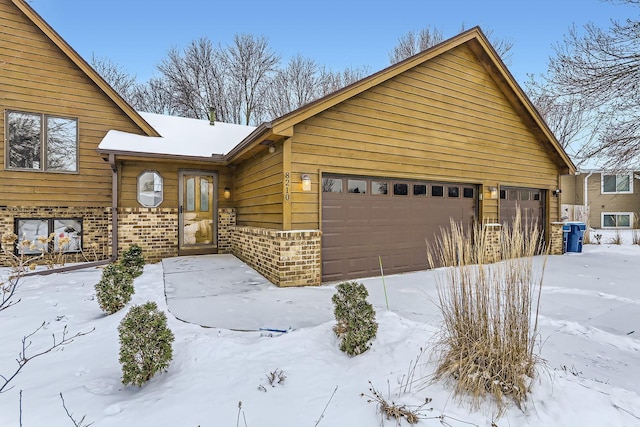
(493, 192)
(306, 182)
(557, 192)
(272, 149)
(227, 193)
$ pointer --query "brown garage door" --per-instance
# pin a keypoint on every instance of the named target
(530, 201)
(364, 218)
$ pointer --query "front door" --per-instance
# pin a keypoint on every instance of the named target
(197, 213)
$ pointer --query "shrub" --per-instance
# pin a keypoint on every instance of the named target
(133, 261)
(115, 288)
(145, 343)
(356, 325)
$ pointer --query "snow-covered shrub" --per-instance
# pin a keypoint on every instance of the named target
(145, 343)
(115, 288)
(356, 322)
(133, 261)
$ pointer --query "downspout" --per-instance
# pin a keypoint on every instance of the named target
(114, 207)
(585, 189)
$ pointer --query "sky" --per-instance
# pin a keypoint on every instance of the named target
(137, 34)
(588, 340)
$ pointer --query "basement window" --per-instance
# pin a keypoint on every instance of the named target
(617, 219)
(42, 235)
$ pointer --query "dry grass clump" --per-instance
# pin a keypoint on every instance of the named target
(489, 311)
(616, 239)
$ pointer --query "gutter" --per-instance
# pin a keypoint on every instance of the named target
(250, 139)
(585, 189)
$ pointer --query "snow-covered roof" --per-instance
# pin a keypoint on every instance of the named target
(179, 137)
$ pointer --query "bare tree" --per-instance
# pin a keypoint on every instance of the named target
(415, 42)
(155, 96)
(248, 62)
(292, 87)
(195, 81)
(118, 78)
(331, 81)
(603, 68)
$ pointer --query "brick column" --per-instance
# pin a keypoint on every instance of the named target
(556, 237)
(492, 244)
(226, 222)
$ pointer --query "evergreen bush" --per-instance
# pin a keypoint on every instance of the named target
(145, 343)
(133, 261)
(115, 288)
(356, 322)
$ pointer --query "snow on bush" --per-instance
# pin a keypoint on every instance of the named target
(356, 319)
(145, 343)
(133, 261)
(115, 288)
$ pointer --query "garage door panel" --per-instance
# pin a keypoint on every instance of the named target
(394, 227)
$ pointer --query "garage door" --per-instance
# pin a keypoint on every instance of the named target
(530, 201)
(364, 218)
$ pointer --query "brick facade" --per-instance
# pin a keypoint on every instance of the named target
(556, 239)
(492, 233)
(226, 223)
(155, 230)
(96, 228)
(286, 258)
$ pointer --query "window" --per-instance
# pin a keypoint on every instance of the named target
(453, 192)
(617, 219)
(617, 184)
(379, 187)
(400, 189)
(39, 142)
(437, 191)
(150, 193)
(419, 190)
(331, 185)
(358, 186)
(57, 234)
(467, 193)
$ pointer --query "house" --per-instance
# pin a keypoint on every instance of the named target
(602, 199)
(359, 178)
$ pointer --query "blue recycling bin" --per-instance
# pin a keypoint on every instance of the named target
(575, 236)
(566, 229)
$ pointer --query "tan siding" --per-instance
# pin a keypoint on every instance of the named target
(599, 203)
(38, 77)
(445, 119)
(258, 190)
(130, 171)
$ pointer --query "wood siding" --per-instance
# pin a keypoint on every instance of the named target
(610, 203)
(257, 189)
(445, 119)
(130, 170)
(36, 76)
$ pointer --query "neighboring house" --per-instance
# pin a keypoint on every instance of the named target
(323, 193)
(602, 199)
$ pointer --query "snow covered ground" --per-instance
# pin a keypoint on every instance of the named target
(589, 339)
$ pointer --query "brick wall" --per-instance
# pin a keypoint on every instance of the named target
(556, 244)
(155, 230)
(96, 228)
(286, 258)
(226, 222)
(492, 233)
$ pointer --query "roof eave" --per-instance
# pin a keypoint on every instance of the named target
(85, 67)
(215, 158)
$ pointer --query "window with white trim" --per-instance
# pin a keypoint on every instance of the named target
(617, 219)
(40, 142)
(150, 189)
(39, 235)
(617, 184)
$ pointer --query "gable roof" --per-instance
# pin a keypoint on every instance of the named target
(479, 45)
(49, 32)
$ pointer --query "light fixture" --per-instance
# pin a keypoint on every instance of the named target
(306, 182)
(227, 193)
(272, 149)
(557, 192)
(493, 192)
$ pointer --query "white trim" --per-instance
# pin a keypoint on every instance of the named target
(628, 174)
(630, 214)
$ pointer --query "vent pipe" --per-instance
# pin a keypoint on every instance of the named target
(212, 116)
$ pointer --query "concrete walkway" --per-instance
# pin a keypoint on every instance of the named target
(220, 291)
